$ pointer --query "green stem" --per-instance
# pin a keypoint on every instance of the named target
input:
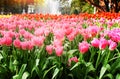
(92, 51)
(98, 58)
(107, 57)
(81, 57)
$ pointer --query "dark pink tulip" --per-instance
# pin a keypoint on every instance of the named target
(30, 45)
(68, 31)
(103, 43)
(112, 45)
(74, 59)
(8, 41)
(95, 42)
(83, 47)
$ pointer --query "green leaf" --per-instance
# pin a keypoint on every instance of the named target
(77, 64)
(71, 75)
(118, 76)
(16, 77)
(37, 62)
(103, 70)
(90, 67)
(55, 73)
(45, 73)
(11, 66)
(2, 69)
(22, 71)
(115, 66)
(38, 71)
(1, 57)
(45, 65)
(89, 77)
(110, 76)
(72, 51)
(25, 75)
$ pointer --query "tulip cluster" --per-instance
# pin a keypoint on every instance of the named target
(27, 34)
(59, 35)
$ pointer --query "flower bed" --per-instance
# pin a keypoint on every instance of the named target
(5, 16)
(37, 46)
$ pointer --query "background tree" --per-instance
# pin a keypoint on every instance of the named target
(80, 6)
(105, 5)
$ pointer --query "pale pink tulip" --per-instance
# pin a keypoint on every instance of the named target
(56, 43)
(38, 41)
(24, 45)
(59, 50)
(49, 49)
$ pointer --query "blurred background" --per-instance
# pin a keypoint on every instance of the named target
(58, 6)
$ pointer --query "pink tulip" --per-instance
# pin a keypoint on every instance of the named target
(38, 41)
(95, 42)
(59, 34)
(68, 31)
(16, 43)
(24, 45)
(6, 41)
(93, 30)
(112, 45)
(39, 31)
(22, 31)
(59, 50)
(30, 45)
(74, 59)
(103, 43)
(83, 47)
(56, 43)
(71, 37)
(49, 49)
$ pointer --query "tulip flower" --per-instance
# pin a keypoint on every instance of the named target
(103, 43)
(112, 45)
(95, 42)
(83, 47)
(49, 49)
